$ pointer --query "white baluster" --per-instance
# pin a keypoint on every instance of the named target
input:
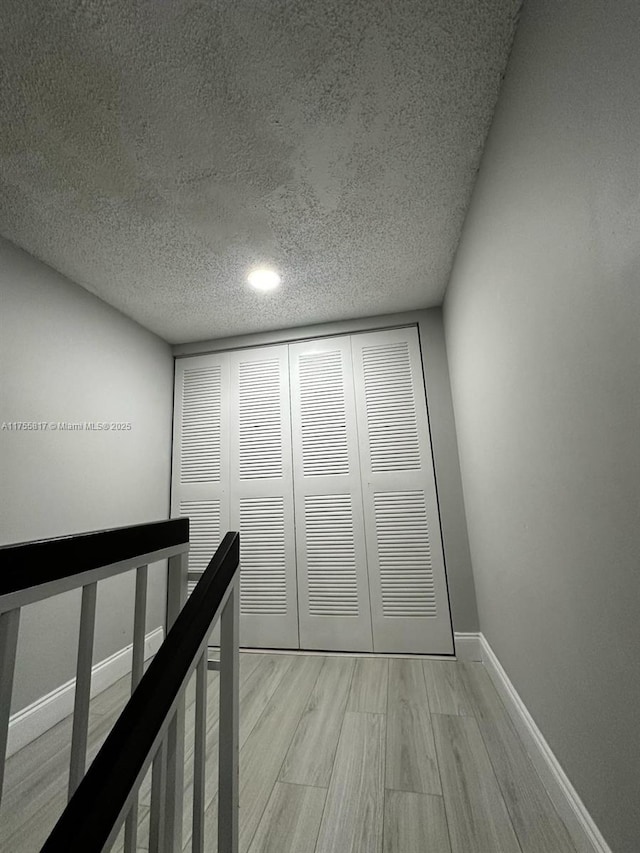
(228, 728)
(199, 755)
(83, 687)
(137, 669)
(9, 624)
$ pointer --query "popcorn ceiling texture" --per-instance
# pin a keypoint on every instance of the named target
(154, 151)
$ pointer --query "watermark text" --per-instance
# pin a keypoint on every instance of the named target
(65, 426)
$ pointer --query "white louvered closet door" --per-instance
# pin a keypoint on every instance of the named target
(333, 598)
(200, 484)
(409, 601)
(261, 504)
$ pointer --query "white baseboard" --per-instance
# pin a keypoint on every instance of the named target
(584, 833)
(468, 646)
(30, 722)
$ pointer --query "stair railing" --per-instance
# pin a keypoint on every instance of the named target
(150, 730)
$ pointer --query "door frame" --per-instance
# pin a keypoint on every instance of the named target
(441, 423)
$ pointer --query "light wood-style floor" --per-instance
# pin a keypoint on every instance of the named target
(338, 755)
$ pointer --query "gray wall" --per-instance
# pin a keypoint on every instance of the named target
(67, 356)
(445, 451)
(542, 321)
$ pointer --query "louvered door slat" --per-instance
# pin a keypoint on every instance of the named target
(409, 602)
(200, 449)
(322, 414)
(391, 416)
(333, 594)
(199, 488)
(262, 496)
(259, 419)
(404, 554)
(331, 556)
(205, 532)
(263, 583)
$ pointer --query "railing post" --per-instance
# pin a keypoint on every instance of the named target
(228, 727)
(199, 755)
(139, 626)
(176, 596)
(157, 816)
(9, 625)
(82, 699)
(176, 586)
(137, 670)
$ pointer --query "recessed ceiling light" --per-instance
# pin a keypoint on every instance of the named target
(263, 279)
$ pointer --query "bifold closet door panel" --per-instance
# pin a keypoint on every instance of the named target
(333, 595)
(200, 478)
(261, 505)
(409, 600)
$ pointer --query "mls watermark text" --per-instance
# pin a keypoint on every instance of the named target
(65, 426)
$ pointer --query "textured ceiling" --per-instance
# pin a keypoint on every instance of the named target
(154, 151)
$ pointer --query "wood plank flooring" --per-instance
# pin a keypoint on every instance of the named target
(411, 763)
(337, 755)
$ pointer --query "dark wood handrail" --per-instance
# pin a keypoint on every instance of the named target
(93, 811)
(29, 564)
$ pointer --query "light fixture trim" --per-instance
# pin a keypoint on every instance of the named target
(264, 279)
